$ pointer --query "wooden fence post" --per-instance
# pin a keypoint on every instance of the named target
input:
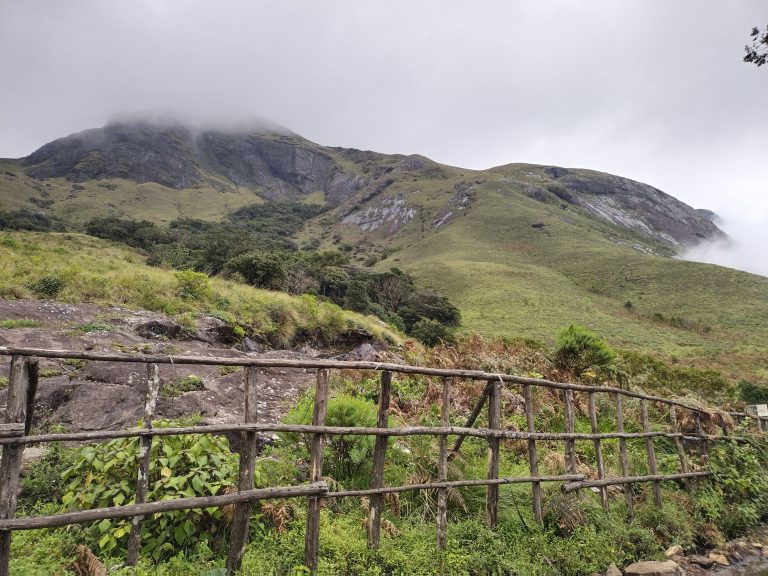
(532, 459)
(494, 423)
(679, 445)
(145, 453)
(472, 417)
(703, 444)
(650, 451)
(379, 453)
(442, 467)
(18, 406)
(241, 520)
(312, 536)
(570, 445)
(598, 450)
(628, 496)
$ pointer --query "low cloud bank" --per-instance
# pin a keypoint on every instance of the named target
(746, 247)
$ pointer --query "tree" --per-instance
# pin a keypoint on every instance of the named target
(757, 53)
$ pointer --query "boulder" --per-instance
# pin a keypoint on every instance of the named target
(161, 329)
(702, 561)
(613, 570)
(214, 331)
(675, 550)
(719, 559)
(653, 568)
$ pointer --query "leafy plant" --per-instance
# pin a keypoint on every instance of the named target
(191, 285)
(47, 285)
(19, 323)
(579, 349)
(431, 332)
(179, 386)
(180, 466)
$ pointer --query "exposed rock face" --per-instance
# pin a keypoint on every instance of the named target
(462, 198)
(392, 213)
(636, 206)
(278, 166)
(653, 568)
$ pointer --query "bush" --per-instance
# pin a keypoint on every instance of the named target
(431, 332)
(191, 285)
(47, 285)
(579, 349)
(261, 269)
(345, 456)
(180, 466)
(752, 393)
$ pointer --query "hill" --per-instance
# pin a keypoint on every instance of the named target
(523, 250)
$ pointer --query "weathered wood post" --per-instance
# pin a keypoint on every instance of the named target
(379, 453)
(570, 426)
(18, 411)
(312, 536)
(679, 445)
(532, 458)
(494, 423)
(145, 452)
(598, 450)
(703, 444)
(442, 466)
(471, 420)
(650, 451)
(628, 496)
(241, 520)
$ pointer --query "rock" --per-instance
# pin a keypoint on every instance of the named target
(653, 568)
(719, 559)
(248, 345)
(757, 545)
(160, 329)
(702, 561)
(214, 331)
(366, 352)
(675, 550)
(613, 570)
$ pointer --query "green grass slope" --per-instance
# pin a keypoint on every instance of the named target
(510, 278)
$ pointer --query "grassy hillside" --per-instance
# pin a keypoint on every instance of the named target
(78, 268)
(511, 278)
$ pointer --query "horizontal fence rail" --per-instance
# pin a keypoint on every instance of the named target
(22, 385)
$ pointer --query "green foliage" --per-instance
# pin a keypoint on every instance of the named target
(191, 285)
(752, 393)
(94, 327)
(19, 323)
(431, 332)
(737, 499)
(179, 386)
(578, 349)
(36, 220)
(49, 285)
(345, 456)
(180, 466)
(261, 269)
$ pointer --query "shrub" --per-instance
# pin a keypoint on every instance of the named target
(345, 455)
(191, 285)
(579, 349)
(752, 393)
(261, 269)
(49, 285)
(180, 466)
(431, 332)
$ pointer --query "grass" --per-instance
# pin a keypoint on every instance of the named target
(179, 386)
(19, 323)
(92, 270)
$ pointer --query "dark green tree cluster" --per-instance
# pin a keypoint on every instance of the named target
(253, 245)
(35, 220)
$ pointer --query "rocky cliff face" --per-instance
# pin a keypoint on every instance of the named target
(277, 166)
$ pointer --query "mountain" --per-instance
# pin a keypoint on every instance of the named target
(522, 249)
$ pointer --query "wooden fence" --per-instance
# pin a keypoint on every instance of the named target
(22, 386)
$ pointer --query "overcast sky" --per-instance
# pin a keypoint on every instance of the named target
(650, 89)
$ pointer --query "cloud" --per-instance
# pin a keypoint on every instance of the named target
(745, 249)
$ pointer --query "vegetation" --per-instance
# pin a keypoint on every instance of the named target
(76, 268)
(577, 537)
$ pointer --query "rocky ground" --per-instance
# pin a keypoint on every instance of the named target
(80, 395)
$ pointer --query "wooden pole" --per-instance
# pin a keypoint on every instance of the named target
(379, 453)
(703, 444)
(598, 450)
(570, 445)
(145, 453)
(623, 461)
(471, 420)
(17, 407)
(494, 423)
(679, 446)
(532, 458)
(241, 520)
(442, 467)
(312, 536)
(650, 451)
